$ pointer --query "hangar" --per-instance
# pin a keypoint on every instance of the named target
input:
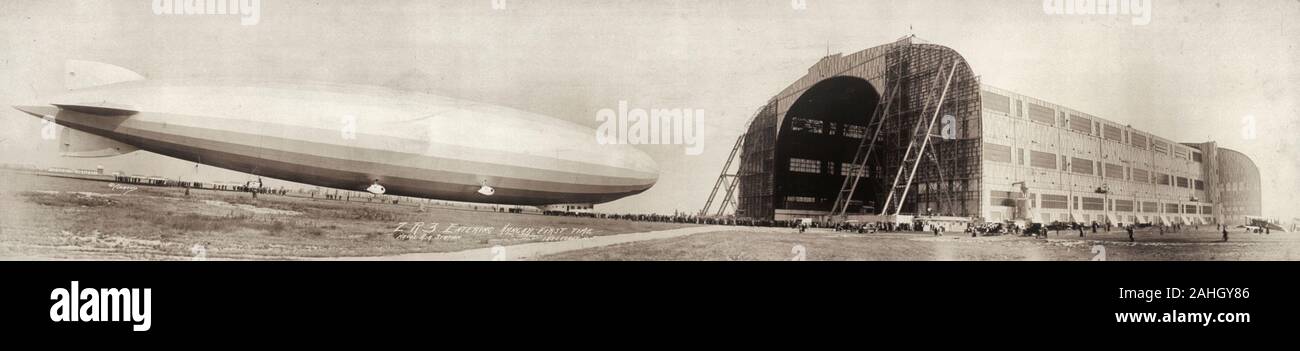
(907, 128)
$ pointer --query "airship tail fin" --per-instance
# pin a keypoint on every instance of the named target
(75, 143)
(88, 74)
(99, 108)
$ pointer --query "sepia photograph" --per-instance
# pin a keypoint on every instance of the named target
(233, 171)
(586, 130)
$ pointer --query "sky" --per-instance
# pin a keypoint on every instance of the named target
(1199, 70)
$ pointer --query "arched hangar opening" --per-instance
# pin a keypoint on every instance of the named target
(817, 141)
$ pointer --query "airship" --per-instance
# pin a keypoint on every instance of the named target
(376, 139)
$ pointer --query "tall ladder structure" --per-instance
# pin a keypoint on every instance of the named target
(919, 142)
(894, 77)
(726, 179)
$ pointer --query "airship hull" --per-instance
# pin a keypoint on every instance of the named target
(354, 137)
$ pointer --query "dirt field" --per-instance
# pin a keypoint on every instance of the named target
(58, 218)
(786, 244)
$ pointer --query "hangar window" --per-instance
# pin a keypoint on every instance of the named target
(1182, 182)
(1042, 114)
(1138, 140)
(1199, 184)
(1189, 209)
(996, 102)
(848, 168)
(1041, 159)
(1160, 147)
(802, 199)
(1124, 205)
(855, 131)
(1056, 201)
(1171, 208)
(1162, 179)
(1080, 124)
(1081, 166)
(805, 165)
(1114, 171)
(1150, 206)
(1207, 209)
(1141, 175)
(997, 153)
(806, 125)
(1112, 133)
(1093, 203)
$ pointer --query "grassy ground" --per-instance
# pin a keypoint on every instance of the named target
(785, 244)
(57, 218)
